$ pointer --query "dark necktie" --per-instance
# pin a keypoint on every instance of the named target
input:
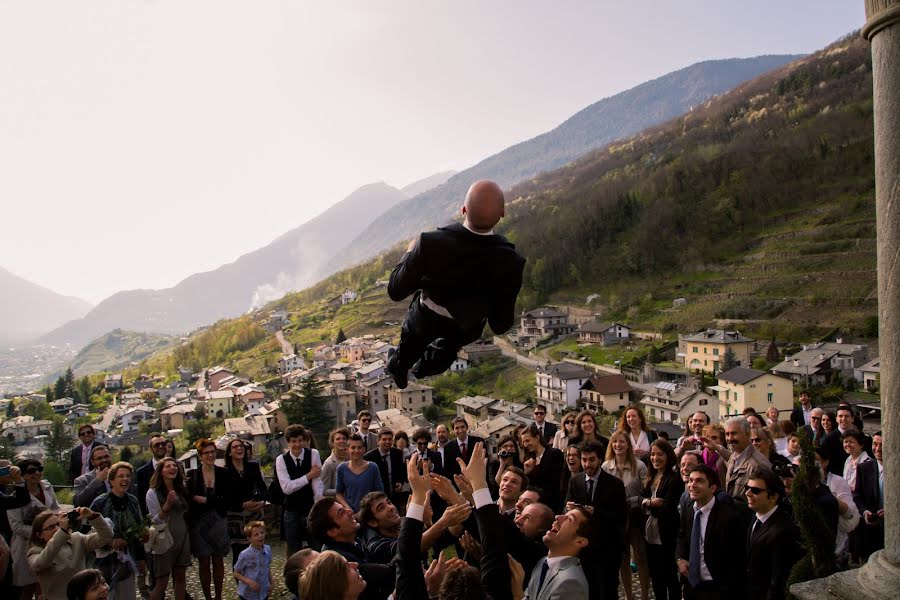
(757, 529)
(590, 494)
(544, 570)
(462, 451)
(365, 442)
(694, 557)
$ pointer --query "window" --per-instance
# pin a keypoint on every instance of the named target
(770, 397)
(768, 385)
(652, 412)
(705, 350)
(704, 362)
(703, 401)
(695, 349)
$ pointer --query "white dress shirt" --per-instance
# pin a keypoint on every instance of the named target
(704, 520)
(288, 485)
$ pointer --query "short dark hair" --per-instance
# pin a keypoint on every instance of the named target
(293, 570)
(537, 490)
(534, 432)
(86, 426)
(586, 528)
(363, 413)
(320, 522)
(845, 406)
(344, 431)
(712, 476)
(464, 582)
(856, 434)
(540, 407)
(521, 474)
(385, 431)
(421, 432)
(367, 506)
(459, 419)
(354, 438)
(81, 582)
(774, 484)
(295, 431)
(99, 447)
(591, 446)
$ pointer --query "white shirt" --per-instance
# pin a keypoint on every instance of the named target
(642, 442)
(86, 458)
(850, 467)
(704, 520)
(288, 485)
(765, 517)
(849, 520)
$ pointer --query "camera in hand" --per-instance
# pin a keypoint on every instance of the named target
(505, 453)
(73, 516)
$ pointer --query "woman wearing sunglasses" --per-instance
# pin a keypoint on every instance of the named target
(21, 519)
(561, 438)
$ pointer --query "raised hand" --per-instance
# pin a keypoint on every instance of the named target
(517, 581)
(445, 489)
(418, 483)
(465, 488)
(476, 471)
(434, 576)
(455, 514)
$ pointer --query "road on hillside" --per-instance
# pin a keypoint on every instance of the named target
(109, 415)
(507, 349)
(286, 346)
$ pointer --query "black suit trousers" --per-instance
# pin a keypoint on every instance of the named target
(429, 339)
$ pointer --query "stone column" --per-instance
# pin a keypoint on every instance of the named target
(880, 576)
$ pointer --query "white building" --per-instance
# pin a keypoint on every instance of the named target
(559, 386)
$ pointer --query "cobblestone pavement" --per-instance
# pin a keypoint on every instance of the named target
(280, 591)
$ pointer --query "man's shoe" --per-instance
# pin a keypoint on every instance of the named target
(393, 369)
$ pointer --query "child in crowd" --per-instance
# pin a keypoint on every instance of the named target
(252, 569)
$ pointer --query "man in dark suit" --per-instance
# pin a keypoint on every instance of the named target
(390, 463)
(800, 416)
(544, 466)
(144, 473)
(711, 558)
(833, 444)
(80, 456)
(460, 276)
(547, 429)
(461, 447)
(773, 542)
(420, 439)
(603, 495)
(814, 430)
(363, 421)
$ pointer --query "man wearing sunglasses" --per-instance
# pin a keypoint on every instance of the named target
(80, 456)
(773, 543)
(143, 475)
(547, 429)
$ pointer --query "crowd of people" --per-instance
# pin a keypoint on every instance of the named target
(557, 512)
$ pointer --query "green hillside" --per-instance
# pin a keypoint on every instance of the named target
(757, 207)
(115, 350)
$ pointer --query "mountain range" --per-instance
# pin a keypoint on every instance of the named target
(377, 215)
(612, 118)
(27, 310)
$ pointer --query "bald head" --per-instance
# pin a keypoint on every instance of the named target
(484, 205)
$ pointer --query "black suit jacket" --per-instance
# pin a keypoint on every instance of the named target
(75, 461)
(725, 559)
(452, 452)
(610, 513)
(547, 476)
(142, 478)
(549, 431)
(797, 416)
(833, 445)
(771, 554)
(475, 277)
(866, 494)
(398, 468)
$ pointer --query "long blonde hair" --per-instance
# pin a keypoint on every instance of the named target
(325, 578)
(630, 461)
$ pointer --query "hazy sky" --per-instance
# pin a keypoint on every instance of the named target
(141, 142)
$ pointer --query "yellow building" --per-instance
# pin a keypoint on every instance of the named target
(741, 387)
(705, 351)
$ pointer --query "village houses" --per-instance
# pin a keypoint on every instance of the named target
(705, 351)
(609, 393)
(740, 388)
(558, 386)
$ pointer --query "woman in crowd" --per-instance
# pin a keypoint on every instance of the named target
(634, 423)
(661, 495)
(508, 455)
(561, 437)
(58, 552)
(357, 477)
(573, 467)
(714, 438)
(587, 430)
(209, 488)
(829, 421)
(848, 513)
(167, 504)
(621, 462)
(126, 549)
(21, 519)
(544, 466)
(248, 494)
(755, 421)
(771, 415)
(337, 439)
(170, 449)
(330, 577)
(762, 441)
(87, 585)
(401, 442)
(861, 474)
(779, 438)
